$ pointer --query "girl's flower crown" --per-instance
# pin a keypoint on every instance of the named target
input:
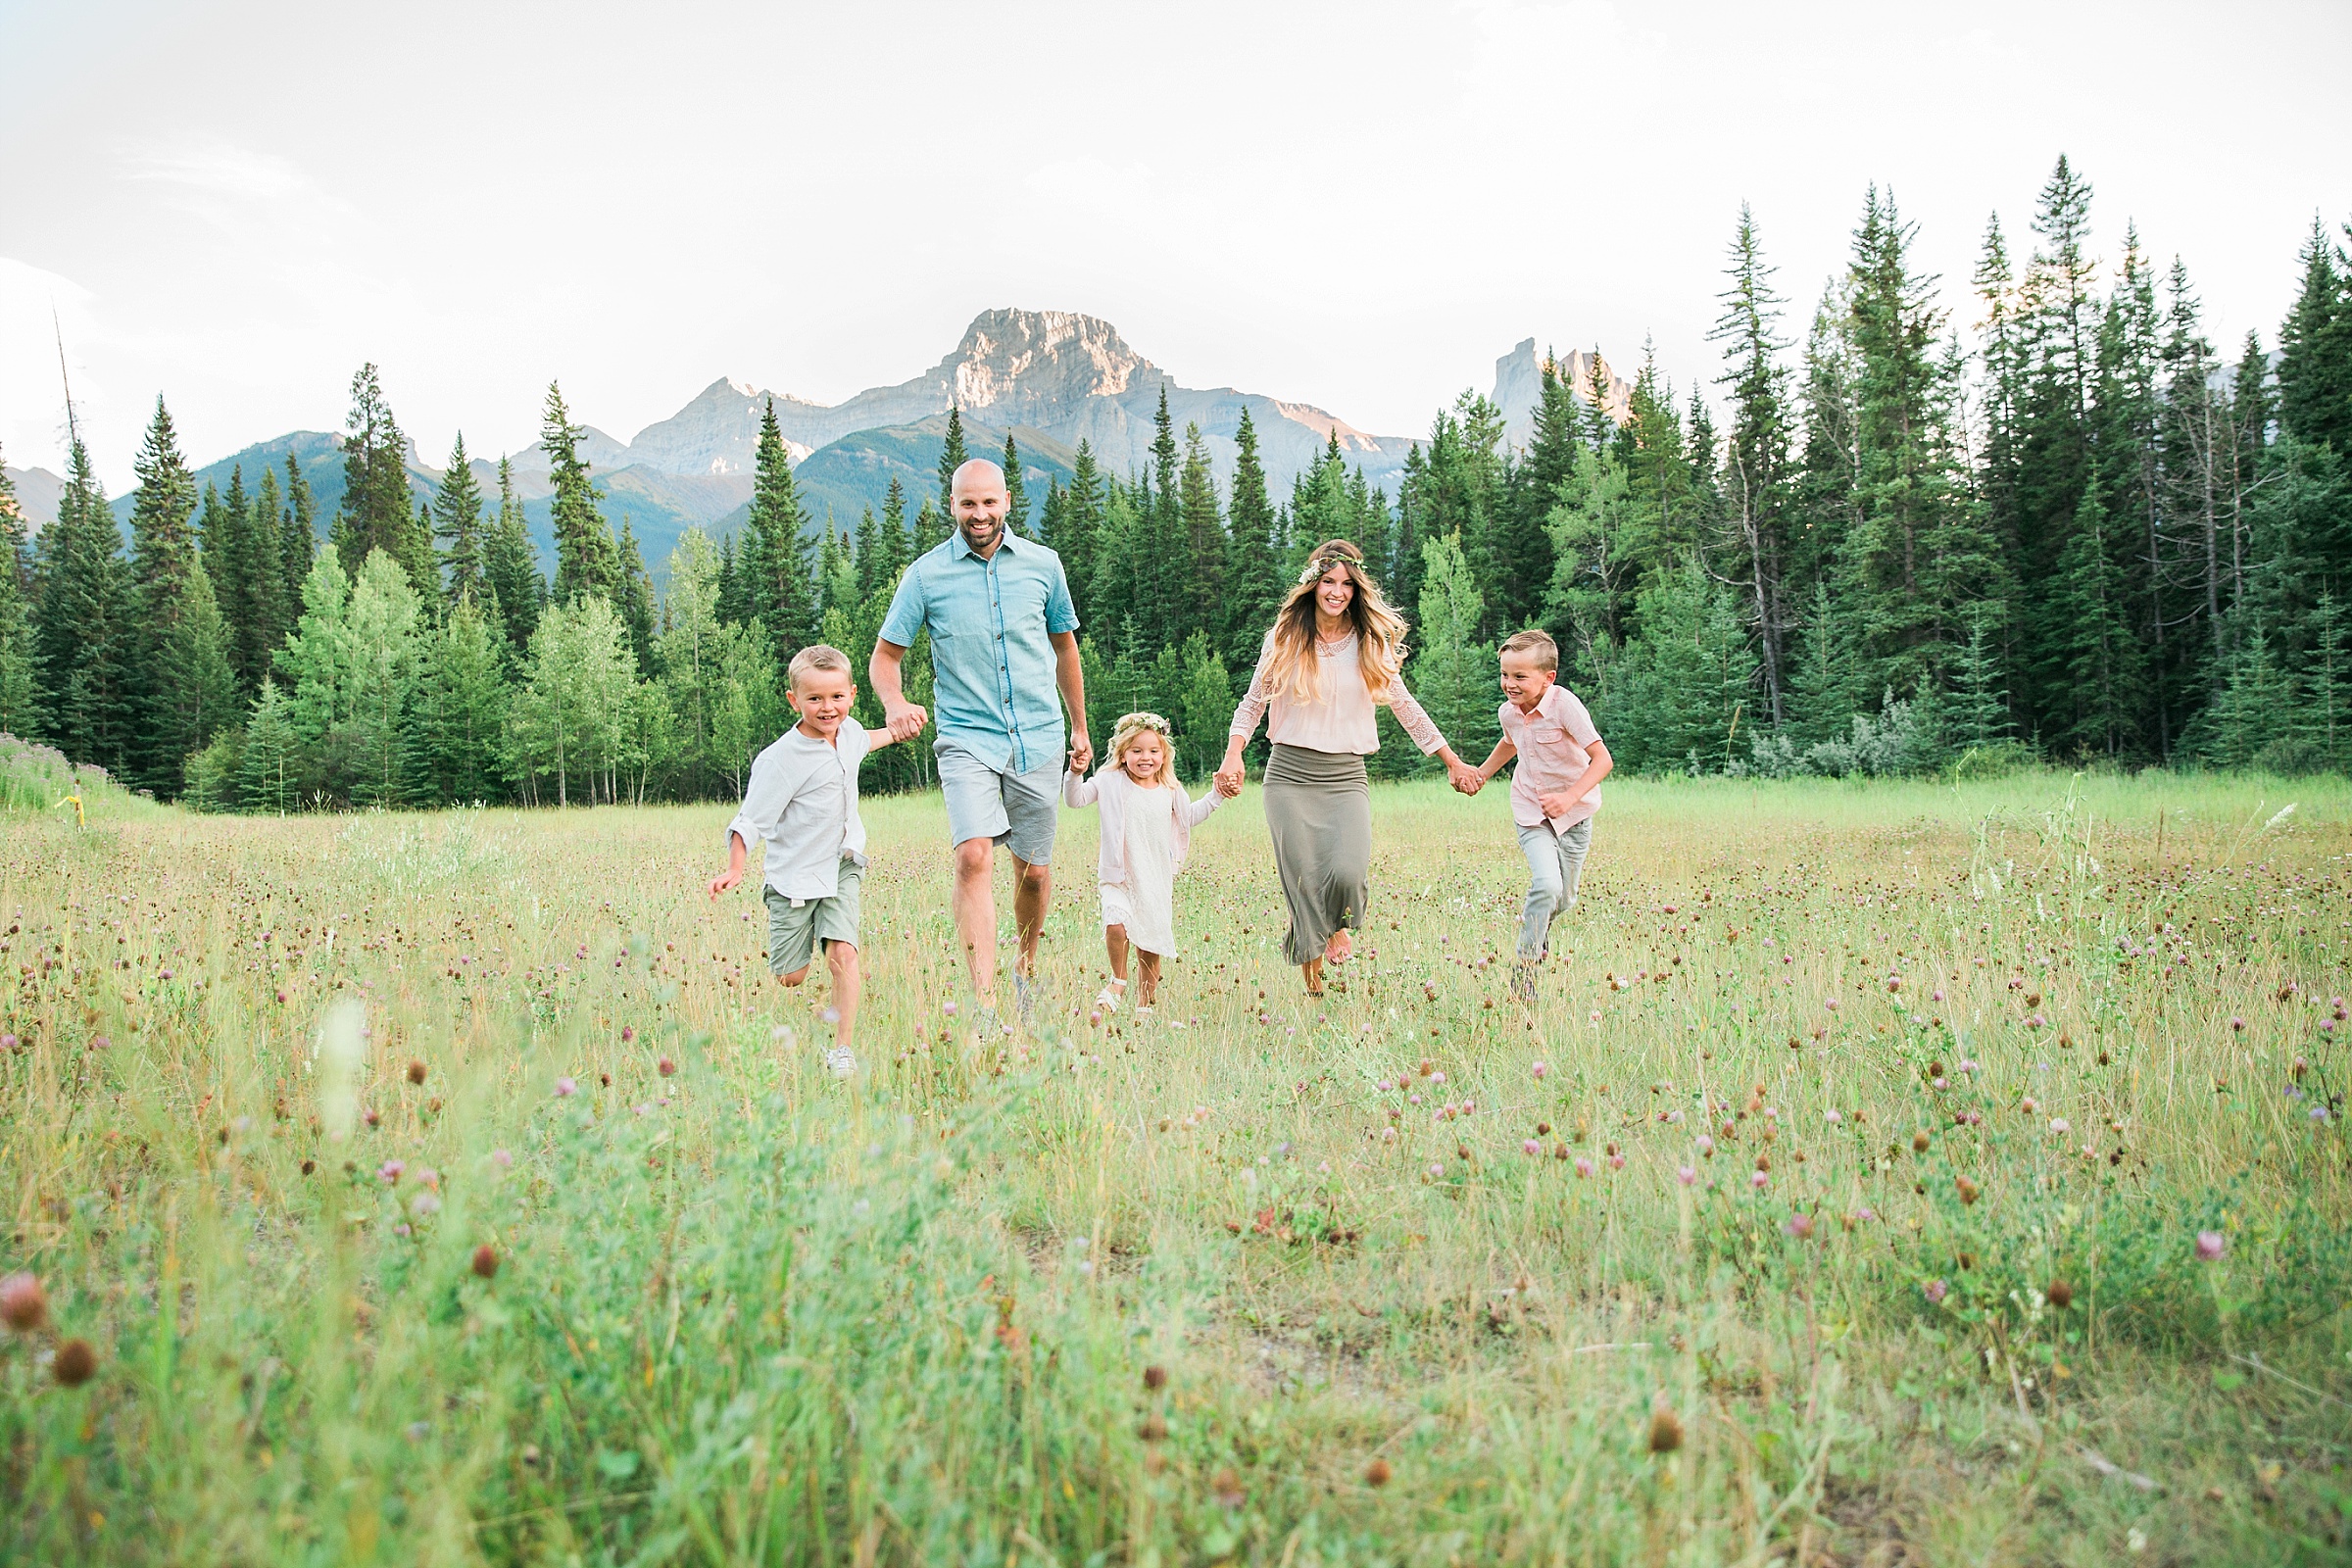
(1153, 721)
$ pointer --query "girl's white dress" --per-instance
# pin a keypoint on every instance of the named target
(1146, 835)
(1146, 904)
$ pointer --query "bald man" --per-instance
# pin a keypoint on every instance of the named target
(1004, 638)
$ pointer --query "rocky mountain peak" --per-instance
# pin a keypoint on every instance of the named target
(1039, 359)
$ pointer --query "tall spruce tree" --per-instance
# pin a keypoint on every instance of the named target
(897, 541)
(1915, 555)
(297, 537)
(1757, 453)
(2314, 349)
(458, 525)
(774, 556)
(952, 456)
(458, 712)
(587, 560)
(1200, 598)
(510, 567)
(163, 563)
(270, 775)
(20, 705)
(1077, 532)
(195, 690)
(1016, 494)
(1253, 578)
(377, 512)
(249, 578)
(84, 628)
(634, 598)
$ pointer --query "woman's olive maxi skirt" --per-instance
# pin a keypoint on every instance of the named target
(1319, 809)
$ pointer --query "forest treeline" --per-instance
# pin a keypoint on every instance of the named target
(2074, 530)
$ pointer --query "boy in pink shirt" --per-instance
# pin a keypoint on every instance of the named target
(1554, 790)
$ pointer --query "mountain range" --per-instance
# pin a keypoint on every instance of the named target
(1050, 378)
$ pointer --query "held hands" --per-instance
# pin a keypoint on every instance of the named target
(904, 720)
(1229, 776)
(1466, 780)
(1082, 753)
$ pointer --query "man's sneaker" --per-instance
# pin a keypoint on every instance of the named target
(839, 1062)
(1523, 980)
(1024, 998)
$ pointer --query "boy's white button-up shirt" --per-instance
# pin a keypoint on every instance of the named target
(801, 805)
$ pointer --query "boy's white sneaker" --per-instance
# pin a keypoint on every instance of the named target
(841, 1062)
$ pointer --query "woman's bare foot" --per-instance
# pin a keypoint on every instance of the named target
(1312, 972)
(1341, 947)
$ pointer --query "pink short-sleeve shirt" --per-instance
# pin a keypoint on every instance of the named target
(1553, 744)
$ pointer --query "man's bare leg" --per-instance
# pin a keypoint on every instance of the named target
(976, 914)
(1032, 891)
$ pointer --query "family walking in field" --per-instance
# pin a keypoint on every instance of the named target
(1005, 669)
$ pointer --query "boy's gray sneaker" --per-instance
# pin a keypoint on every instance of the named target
(839, 1062)
(1523, 980)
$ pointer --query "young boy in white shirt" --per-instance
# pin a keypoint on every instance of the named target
(801, 805)
(1554, 790)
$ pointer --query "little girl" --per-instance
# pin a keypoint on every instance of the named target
(1147, 827)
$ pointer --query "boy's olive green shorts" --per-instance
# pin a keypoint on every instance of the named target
(795, 926)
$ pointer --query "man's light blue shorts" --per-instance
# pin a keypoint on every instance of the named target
(1015, 810)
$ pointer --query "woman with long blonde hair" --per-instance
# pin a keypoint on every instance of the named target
(1331, 658)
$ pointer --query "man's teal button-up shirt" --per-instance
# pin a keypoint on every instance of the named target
(991, 667)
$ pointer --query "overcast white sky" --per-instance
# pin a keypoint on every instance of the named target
(1358, 205)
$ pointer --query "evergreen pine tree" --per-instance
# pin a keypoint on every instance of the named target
(587, 561)
(84, 623)
(195, 691)
(249, 579)
(1976, 713)
(899, 546)
(270, 775)
(1077, 532)
(1016, 494)
(868, 559)
(511, 566)
(1828, 687)
(1253, 579)
(2003, 355)
(163, 561)
(773, 555)
(1914, 554)
(458, 524)
(19, 707)
(459, 707)
(2314, 349)
(297, 538)
(634, 595)
(1757, 453)
(1199, 583)
(952, 456)
(376, 513)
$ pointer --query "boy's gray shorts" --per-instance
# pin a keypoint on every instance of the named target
(795, 926)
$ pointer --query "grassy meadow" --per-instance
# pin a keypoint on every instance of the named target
(1888, 1174)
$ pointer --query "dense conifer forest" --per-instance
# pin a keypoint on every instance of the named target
(1905, 527)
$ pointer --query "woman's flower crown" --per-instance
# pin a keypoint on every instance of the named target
(1319, 565)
